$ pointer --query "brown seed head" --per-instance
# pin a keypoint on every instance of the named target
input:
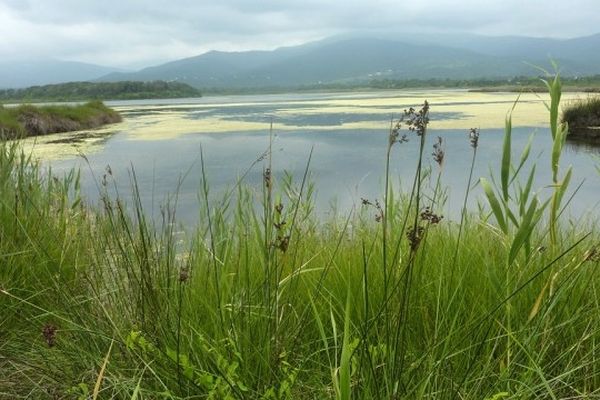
(49, 333)
(438, 151)
(414, 237)
(474, 137)
(283, 243)
(184, 274)
(279, 225)
(430, 216)
(592, 255)
(417, 121)
(395, 133)
(267, 177)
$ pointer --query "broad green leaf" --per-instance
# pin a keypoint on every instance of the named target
(540, 210)
(76, 203)
(557, 147)
(241, 386)
(555, 93)
(510, 216)
(564, 185)
(526, 191)
(205, 380)
(494, 204)
(524, 231)
(505, 167)
(524, 157)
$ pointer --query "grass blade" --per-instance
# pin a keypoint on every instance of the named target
(345, 365)
(101, 373)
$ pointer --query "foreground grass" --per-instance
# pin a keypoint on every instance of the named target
(391, 301)
(28, 120)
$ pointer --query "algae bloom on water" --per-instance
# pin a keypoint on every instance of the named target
(28, 120)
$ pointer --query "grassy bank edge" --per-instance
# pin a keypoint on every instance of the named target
(29, 120)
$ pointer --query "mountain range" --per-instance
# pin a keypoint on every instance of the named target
(32, 72)
(350, 59)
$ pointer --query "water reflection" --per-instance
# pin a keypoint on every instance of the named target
(346, 165)
(583, 147)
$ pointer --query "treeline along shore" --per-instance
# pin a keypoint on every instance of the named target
(28, 120)
(84, 91)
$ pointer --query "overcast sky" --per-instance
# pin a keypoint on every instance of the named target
(137, 33)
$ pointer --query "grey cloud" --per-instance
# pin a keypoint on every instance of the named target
(141, 32)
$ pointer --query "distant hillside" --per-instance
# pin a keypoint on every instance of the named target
(19, 74)
(576, 56)
(580, 55)
(77, 91)
(361, 59)
(214, 68)
(339, 60)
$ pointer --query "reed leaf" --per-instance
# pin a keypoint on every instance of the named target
(524, 231)
(524, 196)
(494, 204)
(555, 89)
(524, 157)
(557, 147)
(506, 150)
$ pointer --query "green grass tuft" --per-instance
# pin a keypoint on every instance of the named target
(28, 120)
(583, 113)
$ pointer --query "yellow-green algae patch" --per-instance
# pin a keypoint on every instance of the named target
(59, 146)
(173, 125)
(483, 110)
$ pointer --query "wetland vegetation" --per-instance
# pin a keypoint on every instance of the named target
(583, 117)
(391, 300)
(28, 120)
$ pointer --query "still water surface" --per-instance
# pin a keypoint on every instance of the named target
(347, 132)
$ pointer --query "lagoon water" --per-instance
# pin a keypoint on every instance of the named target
(347, 132)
